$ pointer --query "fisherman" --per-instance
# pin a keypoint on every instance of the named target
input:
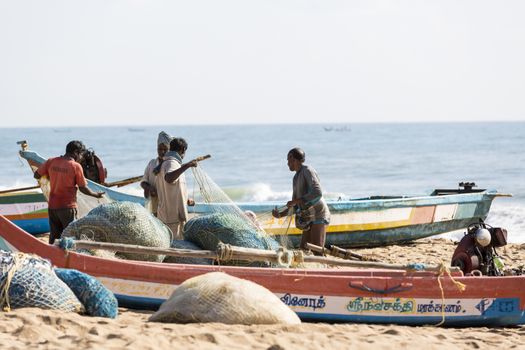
(65, 175)
(171, 188)
(312, 215)
(148, 182)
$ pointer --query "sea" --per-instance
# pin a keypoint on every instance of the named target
(352, 160)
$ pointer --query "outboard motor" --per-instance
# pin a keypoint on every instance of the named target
(92, 166)
(476, 252)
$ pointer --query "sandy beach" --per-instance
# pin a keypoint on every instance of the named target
(45, 329)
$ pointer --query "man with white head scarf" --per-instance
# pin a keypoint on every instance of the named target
(148, 182)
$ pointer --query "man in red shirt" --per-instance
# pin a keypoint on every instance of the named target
(65, 175)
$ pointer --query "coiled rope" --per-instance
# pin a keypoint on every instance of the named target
(18, 261)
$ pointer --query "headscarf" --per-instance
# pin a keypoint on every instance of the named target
(164, 138)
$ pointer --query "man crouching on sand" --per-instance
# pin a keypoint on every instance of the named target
(65, 175)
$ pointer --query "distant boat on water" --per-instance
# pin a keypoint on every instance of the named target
(136, 129)
(62, 130)
(338, 129)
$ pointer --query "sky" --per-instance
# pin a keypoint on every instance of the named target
(153, 62)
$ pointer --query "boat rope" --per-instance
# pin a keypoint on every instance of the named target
(416, 266)
(224, 252)
(298, 257)
(289, 258)
(67, 243)
(284, 257)
(443, 269)
(289, 216)
(18, 261)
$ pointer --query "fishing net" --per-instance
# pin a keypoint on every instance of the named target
(208, 230)
(29, 281)
(122, 222)
(85, 203)
(226, 222)
(182, 244)
(97, 299)
(218, 297)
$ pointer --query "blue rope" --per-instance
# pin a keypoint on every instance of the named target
(67, 243)
(416, 266)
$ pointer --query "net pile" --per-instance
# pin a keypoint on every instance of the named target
(29, 281)
(226, 222)
(218, 297)
(123, 222)
(208, 230)
(97, 299)
(182, 244)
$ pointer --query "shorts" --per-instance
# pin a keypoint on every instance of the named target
(58, 221)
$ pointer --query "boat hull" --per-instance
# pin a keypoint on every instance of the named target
(331, 295)
(28, 210)
(362, 222)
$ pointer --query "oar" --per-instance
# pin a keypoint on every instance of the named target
(19, 189)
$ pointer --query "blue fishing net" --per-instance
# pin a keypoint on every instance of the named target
(123, 222)
(29, 281)
(208, 230)
(182, 244)
(97, 299)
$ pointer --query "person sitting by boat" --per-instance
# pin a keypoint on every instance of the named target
(171, 188)
(148, 182)
(312, 215)
(65, 176)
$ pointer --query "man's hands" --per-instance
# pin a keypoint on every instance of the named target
(294, 202)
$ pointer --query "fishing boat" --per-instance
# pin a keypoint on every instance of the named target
(362, 222)
(26, 209)
(331, 295)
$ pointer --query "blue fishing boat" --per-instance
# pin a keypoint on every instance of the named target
(362, 222)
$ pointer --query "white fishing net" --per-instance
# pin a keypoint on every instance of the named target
(218, 297)
(85, 203)
(224, 221)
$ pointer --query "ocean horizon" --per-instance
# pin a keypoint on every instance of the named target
(353, 160)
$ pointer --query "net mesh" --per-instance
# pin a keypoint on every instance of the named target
(97, 299)
(226, 222)
(29, 281)
(218, 297)
(85, 203)
(122, 222)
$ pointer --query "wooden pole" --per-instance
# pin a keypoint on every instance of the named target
(338, 252)
(226, 252)
(124, 182)
(201, 158)
(19, 189)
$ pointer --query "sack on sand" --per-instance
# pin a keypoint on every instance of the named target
(218, 297)
(97, 299)
(29, 281)
(122, 222)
